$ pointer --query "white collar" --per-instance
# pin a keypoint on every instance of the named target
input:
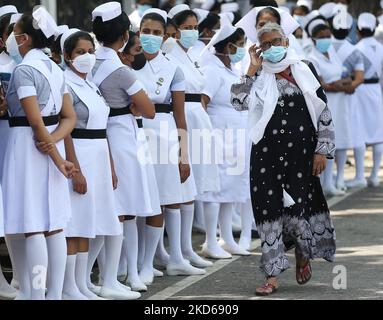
(157, 63)
(105, 53)
(72, 77)
(36, 54)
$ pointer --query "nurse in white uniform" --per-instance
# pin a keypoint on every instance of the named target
(208, 25)
(219, 76)
(353, 67)
(330, 70)
(32, 179)
(198, 122)
(125, 96)
(7, 65)
(165, 84)
(92, 197)
(369, 94)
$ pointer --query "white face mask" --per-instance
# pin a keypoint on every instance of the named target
(13, 48)
(124, 46)
(168, 45)
(84, 63)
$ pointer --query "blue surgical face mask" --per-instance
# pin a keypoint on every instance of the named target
(299, 19)
(141, 8)
(150, 43)
(323, 44)
(188, 38)
(275, 54)
(239, 55)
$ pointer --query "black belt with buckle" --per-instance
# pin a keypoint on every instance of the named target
(371, 81)
(189, 97)
(88, 134)
(23, 121)
(163, 108)
(119, 112)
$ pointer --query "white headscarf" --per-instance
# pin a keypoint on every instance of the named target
(264, 94)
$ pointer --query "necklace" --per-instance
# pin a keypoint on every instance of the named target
(196, 65)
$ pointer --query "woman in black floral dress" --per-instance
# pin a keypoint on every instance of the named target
(287, 157)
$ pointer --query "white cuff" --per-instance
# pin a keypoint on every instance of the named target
(25, 92)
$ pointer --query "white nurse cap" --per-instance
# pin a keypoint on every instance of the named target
(306, 3)
(315, 23)
(7, 9)
(201, 14)
(230, 7)
(367, 21)
(160, 12)
(15, 18)
(44, 21)
(107, 11)
(207, 4)
(177, 9)
(307, 19)
(327, 10)
(247, 23)
(227, 18)
(66, 35)
(342, 22)
(62, 29)
(222, 34)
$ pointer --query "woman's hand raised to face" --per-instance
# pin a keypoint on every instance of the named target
(256, 60)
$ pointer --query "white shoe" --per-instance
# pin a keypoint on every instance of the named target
(183, 269)
(95, 289)
(245, 243)
(15, 284)
(89, 294)
(233, 249)
(157, 273)
(333, 192)
(197, 261)
(124, 287)
(356, 183)
(7, 291)
(137, 285)
(113, 294)
(146, 276)
(341, 186)
(374, 182)
(75, 295)
(216, 254)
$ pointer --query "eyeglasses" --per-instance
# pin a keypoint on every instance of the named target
(268, 44)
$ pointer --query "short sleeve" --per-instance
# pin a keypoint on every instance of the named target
(24, 82)
(359, 64)
(128, 81)
(211, 87)
(178, 83)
